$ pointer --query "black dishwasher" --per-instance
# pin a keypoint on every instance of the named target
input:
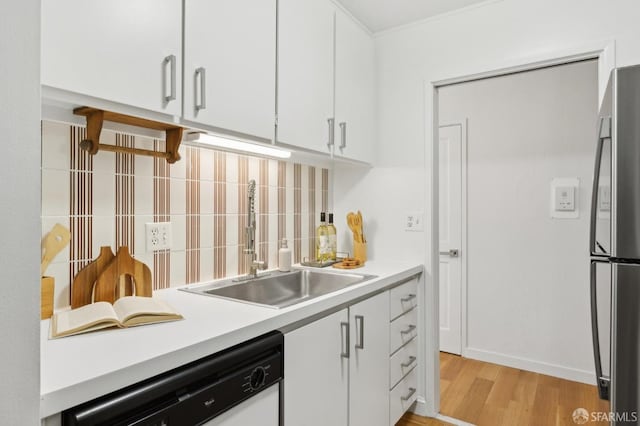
(192, 394)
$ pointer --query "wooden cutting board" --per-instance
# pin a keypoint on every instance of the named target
(108, 283)
(85, 280)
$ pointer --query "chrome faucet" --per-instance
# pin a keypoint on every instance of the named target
(250, 232)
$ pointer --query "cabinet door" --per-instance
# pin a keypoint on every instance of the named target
(369, 362)
(305, 73)
(316, 374)
(230, 57)
(355, 91)
(119, 50)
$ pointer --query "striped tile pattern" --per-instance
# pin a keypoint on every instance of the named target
(312, 211)
(192, 181)
(81, 203)
(125, 194)
(297, 213)
(220, 218)
(161, 213)
(108, 198)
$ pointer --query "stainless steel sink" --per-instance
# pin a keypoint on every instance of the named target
(281, 289)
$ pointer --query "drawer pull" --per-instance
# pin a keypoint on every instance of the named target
(409, 395)
(412, 359)
(408, 298)
(408, 329)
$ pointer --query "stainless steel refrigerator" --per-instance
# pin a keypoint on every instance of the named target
(615, 246)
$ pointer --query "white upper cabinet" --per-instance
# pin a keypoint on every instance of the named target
(230, 65)
(118, 50)
(355, 91)
(305, 73)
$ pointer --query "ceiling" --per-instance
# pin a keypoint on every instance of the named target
(379, 15)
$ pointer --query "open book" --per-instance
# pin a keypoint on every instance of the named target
(125, 312)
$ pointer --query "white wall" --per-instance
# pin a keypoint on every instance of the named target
(493, 35)
(20, 195)
(528, 304)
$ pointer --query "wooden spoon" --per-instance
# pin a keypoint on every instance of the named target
(53, 243)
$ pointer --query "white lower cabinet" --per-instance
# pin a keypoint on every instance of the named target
(337, 368)
(316, 374)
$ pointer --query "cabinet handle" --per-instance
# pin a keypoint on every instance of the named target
(343, 135)
(344, 329)
(408, 298)
(171, 60)
(360, 319)
(408, 329)
(201, 76)
(412, 359)
(409, 395)
(331, 122)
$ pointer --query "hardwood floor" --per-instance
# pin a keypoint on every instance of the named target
(489, 394)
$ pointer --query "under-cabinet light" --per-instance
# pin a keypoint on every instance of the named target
(236, 145)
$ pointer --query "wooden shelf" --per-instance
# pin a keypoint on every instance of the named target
(96, 117)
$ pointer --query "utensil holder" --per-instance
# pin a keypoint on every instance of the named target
(47, 285)
(360, 251)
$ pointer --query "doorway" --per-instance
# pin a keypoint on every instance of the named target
(522, 275)
(452, 205)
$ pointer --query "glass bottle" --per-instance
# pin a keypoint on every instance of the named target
(333, 238)
(322, 240)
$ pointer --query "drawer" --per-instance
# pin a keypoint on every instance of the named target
(402, 362)
(403, 298)
(402, 396)
(403, 329)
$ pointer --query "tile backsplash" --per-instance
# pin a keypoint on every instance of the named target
(106, 199)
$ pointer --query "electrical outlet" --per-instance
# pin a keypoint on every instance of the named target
(414, 222)
(158, 236)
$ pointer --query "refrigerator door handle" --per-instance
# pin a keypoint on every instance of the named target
(603, 382)
(602, 135)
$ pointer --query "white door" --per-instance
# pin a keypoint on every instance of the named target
(230, 72)
(316, 373)
(450, 189)
(355, 88)
(305, 73)
(369, 362)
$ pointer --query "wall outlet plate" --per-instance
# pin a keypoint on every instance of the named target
(158, 236)
(564, 200)
(414, 222)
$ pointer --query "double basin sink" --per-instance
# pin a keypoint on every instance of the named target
(280, 289)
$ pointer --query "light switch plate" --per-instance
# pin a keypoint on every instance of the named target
(414, 222)
(564, 203)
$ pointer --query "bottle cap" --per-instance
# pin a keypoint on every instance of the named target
(322, 217)
(330, 217)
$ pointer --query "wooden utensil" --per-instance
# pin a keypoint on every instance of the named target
(360, 224)
(85, 280)
(352, 221)
(106, 288)
(53, 243)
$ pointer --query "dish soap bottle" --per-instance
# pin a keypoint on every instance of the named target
(333, 239)
(284, 257)
(322, 240)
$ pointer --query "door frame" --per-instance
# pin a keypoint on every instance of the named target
(463, 123)
(604, 51)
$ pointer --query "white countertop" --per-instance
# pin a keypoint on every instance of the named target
(79, 368)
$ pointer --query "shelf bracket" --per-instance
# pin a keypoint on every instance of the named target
(96, 118)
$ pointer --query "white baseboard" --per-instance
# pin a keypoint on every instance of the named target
(567, 373)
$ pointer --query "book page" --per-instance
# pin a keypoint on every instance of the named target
(132, 310)
(86, 318)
